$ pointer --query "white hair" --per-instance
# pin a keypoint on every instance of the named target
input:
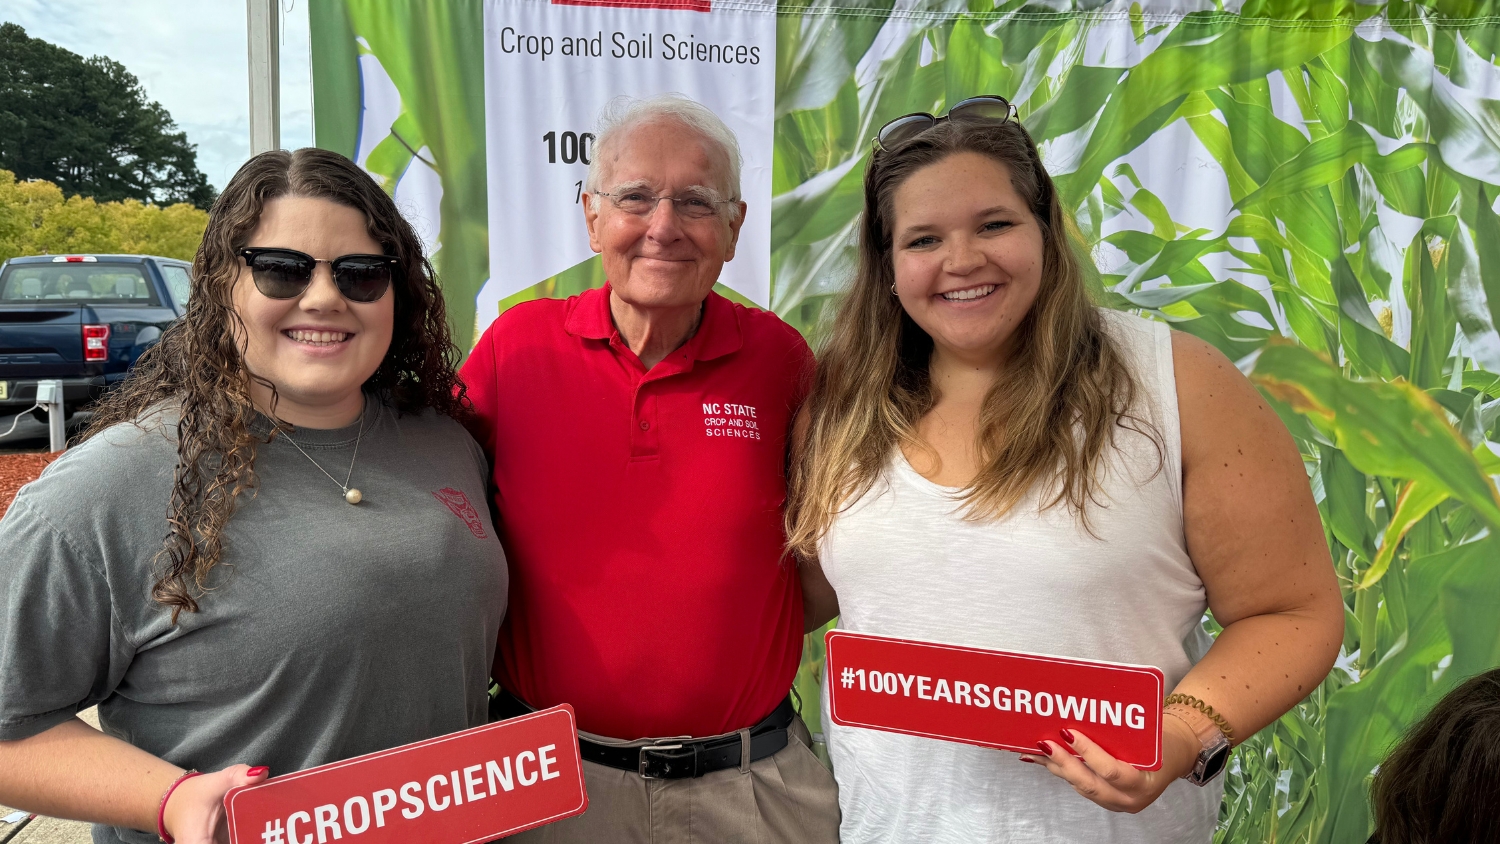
(622, 114)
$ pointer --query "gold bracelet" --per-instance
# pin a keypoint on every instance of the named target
(1189, 700)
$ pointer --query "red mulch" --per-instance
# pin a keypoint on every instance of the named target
(18, 469)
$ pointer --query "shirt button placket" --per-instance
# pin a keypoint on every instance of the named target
(643, 437)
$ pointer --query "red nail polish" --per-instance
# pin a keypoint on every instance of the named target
(1045, 749)
(1067, 735)
(1029, 759)
(255, 772)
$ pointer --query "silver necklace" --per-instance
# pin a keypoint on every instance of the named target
(351, 495)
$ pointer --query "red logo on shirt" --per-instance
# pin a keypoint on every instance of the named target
(459, 504)
(669, 5)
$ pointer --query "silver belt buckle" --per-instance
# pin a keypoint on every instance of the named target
(641, 759)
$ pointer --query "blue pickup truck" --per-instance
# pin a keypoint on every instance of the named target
(82, 319)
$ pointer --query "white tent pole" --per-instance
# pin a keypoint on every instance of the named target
(265, 75)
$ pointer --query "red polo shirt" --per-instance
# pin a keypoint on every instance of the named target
(641, 515)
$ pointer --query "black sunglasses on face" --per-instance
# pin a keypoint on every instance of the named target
(286, 273)
(987, 107)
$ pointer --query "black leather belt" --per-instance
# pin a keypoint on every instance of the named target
(673, 758)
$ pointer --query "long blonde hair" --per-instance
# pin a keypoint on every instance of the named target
(1048, 419)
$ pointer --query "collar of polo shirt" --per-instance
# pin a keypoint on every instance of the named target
(718, 334)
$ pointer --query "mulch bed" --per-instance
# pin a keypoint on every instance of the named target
(18, 469)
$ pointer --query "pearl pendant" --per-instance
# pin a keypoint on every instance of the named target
(353, 496)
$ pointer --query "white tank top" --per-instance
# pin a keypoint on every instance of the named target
(905, 563)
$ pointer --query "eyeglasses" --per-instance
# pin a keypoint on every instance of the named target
(906, 127)
(693, 205)
(286, 273)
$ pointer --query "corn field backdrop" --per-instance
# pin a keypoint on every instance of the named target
(1311, 186)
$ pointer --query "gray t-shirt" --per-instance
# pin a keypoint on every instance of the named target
(330, 630)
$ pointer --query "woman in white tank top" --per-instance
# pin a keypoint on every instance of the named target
(988, 460)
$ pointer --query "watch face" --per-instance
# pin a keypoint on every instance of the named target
(1214, 764)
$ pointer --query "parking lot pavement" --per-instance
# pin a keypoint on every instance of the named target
(31, 435)
(46, 830)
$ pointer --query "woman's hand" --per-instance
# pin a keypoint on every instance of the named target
(195, 811)
(1111, 783)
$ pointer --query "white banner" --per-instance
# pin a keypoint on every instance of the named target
(550, 68)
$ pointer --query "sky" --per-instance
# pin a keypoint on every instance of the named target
(190, 56)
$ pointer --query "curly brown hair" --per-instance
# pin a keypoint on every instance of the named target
(198, 369)
(1440, 782)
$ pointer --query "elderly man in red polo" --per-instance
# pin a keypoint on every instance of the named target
(637, 434)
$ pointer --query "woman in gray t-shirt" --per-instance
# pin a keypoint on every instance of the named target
(272, 547)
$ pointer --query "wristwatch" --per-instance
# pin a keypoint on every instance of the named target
(1214, 753)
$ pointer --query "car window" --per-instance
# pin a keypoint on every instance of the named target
(84, 283)
(179, 283)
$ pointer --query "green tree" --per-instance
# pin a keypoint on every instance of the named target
(87, 125)
(36, 219)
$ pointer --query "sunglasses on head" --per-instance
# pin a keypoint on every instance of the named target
(286, 273)
(985, 108)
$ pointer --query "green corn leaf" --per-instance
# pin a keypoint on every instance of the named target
(1416, 500)
(390, 158)
(335, 77)
(1309, 326)
(1327, 160)
(1389, 429)
(816, 53)
(973, 63)
(1470, 594)
(1372, 101)
(1345, 491)
(1257, 227)
(1312, 222)
(1175, 257)
(791, 212)
(1192, 272)
(1453, 401)
(1261, 140)
(1486, 227)
(1236, 339)
(1155, 212)
(1467, 297)
(1485, 382)
(1432, 326)
(1231, 297)
(1204, 52)
(1215, 137)
(1404, 190)
(1161, 297)
(1362, 335)
(1222, 298)
(1139, 246)
(808, 271)
(1081, 98)
(1330, 94)
(433, 54)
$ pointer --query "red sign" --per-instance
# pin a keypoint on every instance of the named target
(463, 788)
(668, 5)
(1003, 699)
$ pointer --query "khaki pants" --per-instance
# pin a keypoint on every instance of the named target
(786, 798)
